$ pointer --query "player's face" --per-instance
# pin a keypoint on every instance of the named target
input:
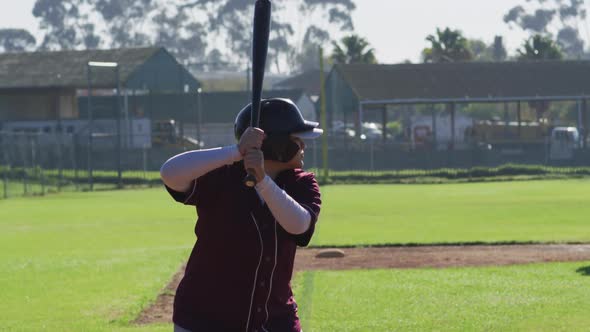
(297, 160)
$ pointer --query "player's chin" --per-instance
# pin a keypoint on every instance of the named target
(296, 163)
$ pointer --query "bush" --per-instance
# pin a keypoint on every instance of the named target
(508, 172)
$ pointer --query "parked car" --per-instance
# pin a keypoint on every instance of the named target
(562, 142)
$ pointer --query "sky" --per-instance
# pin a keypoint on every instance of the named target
(395, 29)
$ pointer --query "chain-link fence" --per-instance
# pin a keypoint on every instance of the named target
(378, 155)
(40, 163)
(36, 164)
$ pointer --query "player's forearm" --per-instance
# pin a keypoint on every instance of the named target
(294, 218)
(179, 171)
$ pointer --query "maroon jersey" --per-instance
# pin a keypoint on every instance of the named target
(238, 275)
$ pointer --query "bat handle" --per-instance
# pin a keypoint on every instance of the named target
(250, 179)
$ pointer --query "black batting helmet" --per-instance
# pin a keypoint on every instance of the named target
(279, 119)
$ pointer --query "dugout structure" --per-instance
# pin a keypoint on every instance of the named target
(356, 92)
(51, 117)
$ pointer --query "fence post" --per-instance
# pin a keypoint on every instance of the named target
(547, 150)
(144, 159)
(34, 174)
(5, 168)
(24, 155)
(371, 155)
(8, 159)
(75, 160)
(60, 156)
(42, 179)
(5, 178)
(39, 168)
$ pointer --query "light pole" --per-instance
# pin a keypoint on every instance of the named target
(101, 64)
(89, 149)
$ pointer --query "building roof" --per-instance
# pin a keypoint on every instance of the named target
(217, 107)
(67, 69)
(308, 81)
(467, 81)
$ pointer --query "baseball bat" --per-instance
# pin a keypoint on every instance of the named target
(259, 52)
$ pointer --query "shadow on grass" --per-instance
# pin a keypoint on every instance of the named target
(585, 271)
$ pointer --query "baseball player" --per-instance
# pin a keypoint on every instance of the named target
(238, 275)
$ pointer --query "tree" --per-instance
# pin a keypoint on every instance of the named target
(479, 50)
(498, 50)
(307, 57)
(353, 49)
(16, 40)
(126, 21)
(335, 14)
(483, 52)
(539, 48)
(172, 33)
(231, 20)
(66, 27)
(72, 24)
(447, 46)
(190, 29)
(553, 18)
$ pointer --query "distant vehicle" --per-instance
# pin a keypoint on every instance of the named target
(506, 134)
(371, 130)
(339, 129)
(563, 142)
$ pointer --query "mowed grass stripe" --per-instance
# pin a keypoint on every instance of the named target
(537, 297)
(88, 261)
(92, 261)
(540, 211)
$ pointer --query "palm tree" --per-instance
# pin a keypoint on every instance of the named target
(540, 48)
(447, 46)
(353, 49)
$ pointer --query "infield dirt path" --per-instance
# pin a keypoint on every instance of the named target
(399, 257)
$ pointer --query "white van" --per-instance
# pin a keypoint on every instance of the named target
(563, 142)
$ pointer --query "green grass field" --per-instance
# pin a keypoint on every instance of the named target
(542, 211)
(87, 262)
(92, 261)
(537, 297)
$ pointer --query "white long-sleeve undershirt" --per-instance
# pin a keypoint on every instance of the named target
(179, 172)
(294, 218)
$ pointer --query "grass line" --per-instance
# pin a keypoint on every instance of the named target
(305, 305)
(106, 264)
(533, 297)
(448, 244)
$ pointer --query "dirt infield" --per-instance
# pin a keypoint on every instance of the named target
(398, 257)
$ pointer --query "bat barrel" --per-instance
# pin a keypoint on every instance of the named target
(260, 38)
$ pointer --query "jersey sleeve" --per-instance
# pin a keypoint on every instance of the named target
(307, 194)
(199, 188)
(187, 197)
